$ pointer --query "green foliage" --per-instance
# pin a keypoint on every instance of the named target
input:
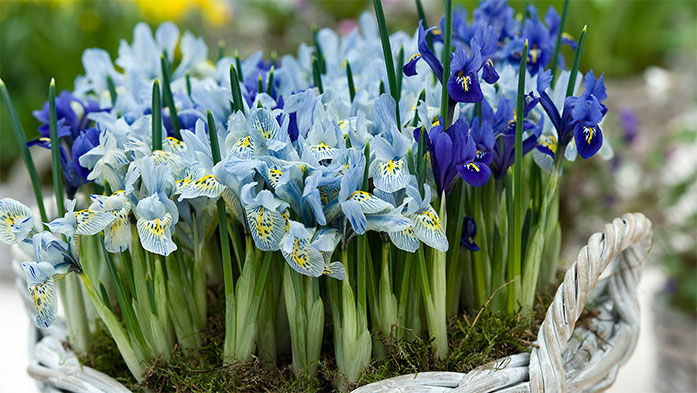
(475, 340)
(103, 355)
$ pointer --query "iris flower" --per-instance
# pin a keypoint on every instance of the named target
(15, 221)
(580, 116)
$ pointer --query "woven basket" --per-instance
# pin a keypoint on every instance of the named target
(566, 357)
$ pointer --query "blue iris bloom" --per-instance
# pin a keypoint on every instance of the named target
(69, 111)
(446, 150)
(53, 259)
(463, 82)
(472, 166)
(425, 53)
(486, 40)
(580, 116)
(81, 145)
(469, 231)
(498, 14)
(540, 44)
(552, 20)
(73, 179)
(503, 126)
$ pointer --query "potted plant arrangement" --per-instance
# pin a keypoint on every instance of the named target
(372, 186)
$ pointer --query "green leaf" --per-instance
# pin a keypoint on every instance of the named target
(447, 37)
(577, 60)
(349, 77)
(156, 117)
(387, 52)
(515, 260)
(237, 103)
(317, 75)
(56, 168)
(169, 98)
(21, 139)
(557, 46)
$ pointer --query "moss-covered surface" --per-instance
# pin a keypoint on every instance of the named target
(474, 341)
(105, 357)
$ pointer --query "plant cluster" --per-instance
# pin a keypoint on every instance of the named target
(383, 188)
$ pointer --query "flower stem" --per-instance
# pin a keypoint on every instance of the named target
(447, 37)
(515, 260)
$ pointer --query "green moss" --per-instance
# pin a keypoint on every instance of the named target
(103, 355)
(473, 340)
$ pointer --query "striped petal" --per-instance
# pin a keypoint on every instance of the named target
(174, 145)
(117, 236)
(263, 121)
(385, 222)
(304, 258)
(428, 228)
(369, 203)
(90, 222)
(243, 147)
(391, 176)
(188, 176)
(233, 204)
(156, 235)
(15, 221)
(206, 186)
(273, 176)
(267, 227)
(45, 302)
(335, 270)
(405, 240)
(161, 157)
(323, 151)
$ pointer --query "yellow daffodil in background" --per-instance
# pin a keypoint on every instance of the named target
(215, 12)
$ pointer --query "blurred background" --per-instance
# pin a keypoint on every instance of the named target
(646, 48)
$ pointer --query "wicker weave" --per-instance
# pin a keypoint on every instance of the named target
(585, 359)
(566, 358)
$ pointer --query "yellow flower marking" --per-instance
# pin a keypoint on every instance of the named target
(474, 166)
(300, 257)
(550, 142)
(589, 133)
(430, 220)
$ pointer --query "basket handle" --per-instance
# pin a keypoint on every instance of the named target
(627, 239)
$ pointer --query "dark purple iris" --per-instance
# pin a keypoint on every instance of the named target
(73, 130)
(469, 231)
(580, 116)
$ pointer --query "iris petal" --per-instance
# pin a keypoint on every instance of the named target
(474, 173)
(409, 69)
(405, 239)
(589, 139)
(45, 302)
(15, 221)
(369, 203)
(304, 258)
(391, 176)
(117, 236)
(335, 270)
(428, 228)
(465, 87)
(156, 235)
(267, 227)
(207, 186)
(90, 222)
